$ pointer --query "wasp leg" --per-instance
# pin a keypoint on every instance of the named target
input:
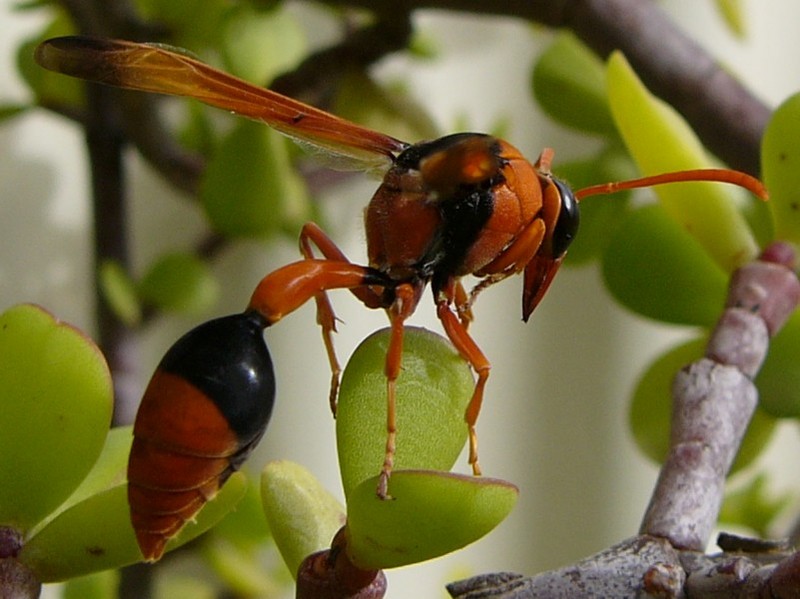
(284, 290)
(513, 259)
(406, 299)
(469, 350)
(326, 318)
(463, 305)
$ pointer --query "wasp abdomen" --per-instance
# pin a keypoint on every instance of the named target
(204, 410)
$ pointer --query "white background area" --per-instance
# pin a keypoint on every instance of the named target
(555, 415)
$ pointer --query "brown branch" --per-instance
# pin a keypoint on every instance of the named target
(105, 145)
(713, 404)
(743, 574)
(16, 579)
(319, 74)
(728, 118)
(111, 19)
(146, 130)
(329, 574)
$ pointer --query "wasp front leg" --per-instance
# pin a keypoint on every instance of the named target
(512, 259)
(405, 302)
(469, 350)
(326, 318)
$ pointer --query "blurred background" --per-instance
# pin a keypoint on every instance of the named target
(554, 419)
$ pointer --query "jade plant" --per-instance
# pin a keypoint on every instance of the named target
(63, 504)
(430, 511)
(671, 261)
(668, 260)
(64, 509)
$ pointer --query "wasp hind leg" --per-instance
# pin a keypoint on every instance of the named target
(326, 318)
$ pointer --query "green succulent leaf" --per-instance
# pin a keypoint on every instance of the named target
(778, 380)
(120, 292)
(302, 515)
(433, 390)
(429, 514)
(101, 585)
(56, 400)
(780, 164)
(246, 527)
(95, 534)
(180, 282)
(734, 16)
(569, 83)
(259, 44)
(655, 268)
(110, 469)
(240, 570)
(651, 409)
(661, 141)
(250, 188)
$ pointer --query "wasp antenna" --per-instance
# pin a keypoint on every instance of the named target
(719, 175)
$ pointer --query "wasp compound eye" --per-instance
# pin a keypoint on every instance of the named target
(569, 217)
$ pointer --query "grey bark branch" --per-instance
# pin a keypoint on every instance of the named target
(713, 400)
(713, 404)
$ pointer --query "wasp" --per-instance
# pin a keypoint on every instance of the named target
(464, 204)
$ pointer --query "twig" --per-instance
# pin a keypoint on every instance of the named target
(105, 145)
(319, 73)
(649, 567)
(614, 573)
(728, 118)
(146, 130)
(16, 579)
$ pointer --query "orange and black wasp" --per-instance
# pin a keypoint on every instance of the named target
(464, 204)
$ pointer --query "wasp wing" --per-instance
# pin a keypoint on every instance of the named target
(159, 69)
